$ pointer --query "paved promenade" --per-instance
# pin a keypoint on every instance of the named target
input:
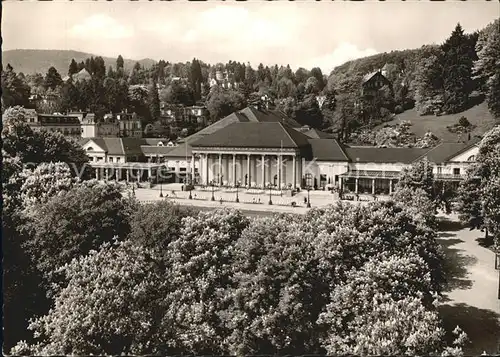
(471, 297)
(248, 201)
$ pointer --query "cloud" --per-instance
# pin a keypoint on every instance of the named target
(101, 26)
(344, 52)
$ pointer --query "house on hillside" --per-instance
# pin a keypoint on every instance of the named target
(372, 82)
(83, 75)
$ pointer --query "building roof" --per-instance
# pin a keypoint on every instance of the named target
(156, 150)
(249, 114)
(446, 151)
(82, 75)
(182, 150)
(327, 150)
(384, 155)
(155, 141)
(267, 116)
(255, 135)
(132, 146)
(318, 134)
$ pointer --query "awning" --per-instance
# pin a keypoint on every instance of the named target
(371, 174)
(448, 177)
(127, 165)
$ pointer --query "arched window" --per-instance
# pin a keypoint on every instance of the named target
(472, 158)
(160, 143)
(90, 148)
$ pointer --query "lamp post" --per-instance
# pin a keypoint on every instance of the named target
(497, 267)
(270, 200)
(237, 185)
(212, 183)
(161, 189)
(190, 196)
(308, 187)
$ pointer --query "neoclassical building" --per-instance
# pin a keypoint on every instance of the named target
(258, 148)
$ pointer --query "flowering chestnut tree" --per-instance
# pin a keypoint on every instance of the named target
(200, 268)
(112, 304)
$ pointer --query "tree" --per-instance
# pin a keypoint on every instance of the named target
(43, 182)
(137, 76)
(119, 63)
(36, 147)
(69, 96)
(250, 77)
(138, 99)
(301, 75)
(24, 294)
(428, 85)
(116, 94)
(177, 93)
(56, 234)
(153, 101)
(221, 103)
(477, 195)
(275, 294)
(15, 89)
(73, 68)
(109, 306)
(200, 269)
(457, 71)
(155, 226)
(494, 94)
(312, 85)
(52, 79)
(308, 112)
(316, 73)
(488, 51)
(418, 176)
(196, 78)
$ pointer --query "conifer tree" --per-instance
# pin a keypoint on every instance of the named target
(52, 78)
(73, 68)
(153, 101)
(119, 62)
(457, 71)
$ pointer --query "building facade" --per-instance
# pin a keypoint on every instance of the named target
(262, 149)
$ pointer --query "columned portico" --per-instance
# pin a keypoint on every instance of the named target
(233, 166)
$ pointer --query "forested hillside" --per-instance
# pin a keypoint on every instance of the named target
(434, 80)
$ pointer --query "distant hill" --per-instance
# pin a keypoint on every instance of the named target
(32, 61)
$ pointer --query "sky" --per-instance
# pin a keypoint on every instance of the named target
(301, 33)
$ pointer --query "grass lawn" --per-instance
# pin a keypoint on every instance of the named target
(477, 115)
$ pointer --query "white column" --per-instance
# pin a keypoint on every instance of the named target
(294, 173)
(263, 174)
(279, 170)
(220, 169)
(106, 173)
(128, 175)
(97, 173)
(302, 170)
(249, 182)
(234, 170)
(193, 170)
(356, 187)
(207, 178)
(373, 186)
(390, 186)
